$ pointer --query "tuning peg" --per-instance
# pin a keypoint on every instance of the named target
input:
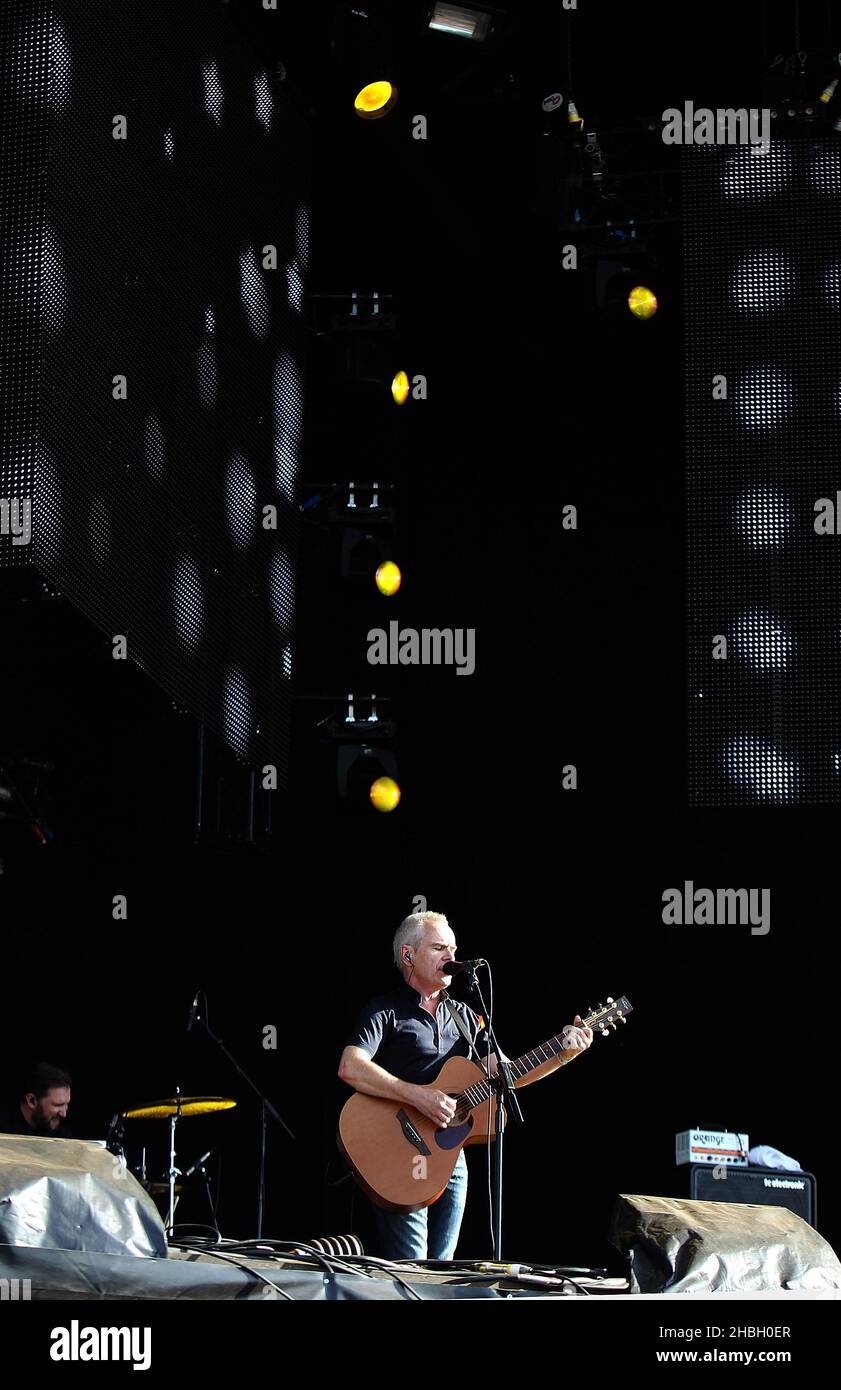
(610, 1000)
(603, 1030)
(622, 1018)
(613, 1026)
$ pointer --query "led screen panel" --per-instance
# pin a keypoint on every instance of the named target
(155, 217)
(763, 417)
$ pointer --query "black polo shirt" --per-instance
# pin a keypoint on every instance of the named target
(407, 1041)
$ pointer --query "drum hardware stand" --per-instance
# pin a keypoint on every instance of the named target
(173, 1109)
(173, 1172)
(116, 1136)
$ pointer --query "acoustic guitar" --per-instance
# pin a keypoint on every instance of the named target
(399, 1157)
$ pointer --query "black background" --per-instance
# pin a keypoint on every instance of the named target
(536, 400)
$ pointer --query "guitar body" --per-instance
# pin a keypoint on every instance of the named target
(384, 1141)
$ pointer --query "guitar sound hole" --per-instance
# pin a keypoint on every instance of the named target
(463, 1108)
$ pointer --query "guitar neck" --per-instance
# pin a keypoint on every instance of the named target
(545, 1052)
(551, 1050)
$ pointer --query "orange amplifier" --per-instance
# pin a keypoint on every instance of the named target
(712, 1146)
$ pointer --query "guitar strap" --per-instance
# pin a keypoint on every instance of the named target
(456, 1017)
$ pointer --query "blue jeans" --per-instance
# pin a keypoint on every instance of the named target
(432, 1232)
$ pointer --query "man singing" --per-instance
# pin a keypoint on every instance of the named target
(411, 1034)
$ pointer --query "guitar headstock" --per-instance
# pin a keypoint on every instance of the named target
(607, 1015)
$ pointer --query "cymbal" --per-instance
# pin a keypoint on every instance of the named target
(185, 1106)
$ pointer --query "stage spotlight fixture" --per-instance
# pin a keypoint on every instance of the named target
(384, 794)
(362, 45)
(627, 283)
(375, 100)
(400, 388)
(462, 21)
(365, 755)
(367, 527)
(362, 552)
(388, 578)
(642, 302)
(361, 766)
(352, 311)
(797, 90)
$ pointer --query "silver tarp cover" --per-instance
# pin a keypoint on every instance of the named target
(679, 1246)
(67, 1274)
(71, 1194)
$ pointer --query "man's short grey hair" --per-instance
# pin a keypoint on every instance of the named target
(411, 932)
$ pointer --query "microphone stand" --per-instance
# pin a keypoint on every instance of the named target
(266, 1109)
(503, 1088)
(200, 1167)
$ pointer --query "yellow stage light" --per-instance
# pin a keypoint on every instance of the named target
(384, 794)
(642, 302)
(375, 100)
(400, 388)
(388, 578)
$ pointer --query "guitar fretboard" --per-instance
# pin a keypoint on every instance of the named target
(549, 1051)
(480, 1091)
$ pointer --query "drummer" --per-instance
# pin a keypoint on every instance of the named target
(41, 1105)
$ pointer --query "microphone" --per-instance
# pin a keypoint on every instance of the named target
(198, 1163)
(454, 967)
(194, 1011)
